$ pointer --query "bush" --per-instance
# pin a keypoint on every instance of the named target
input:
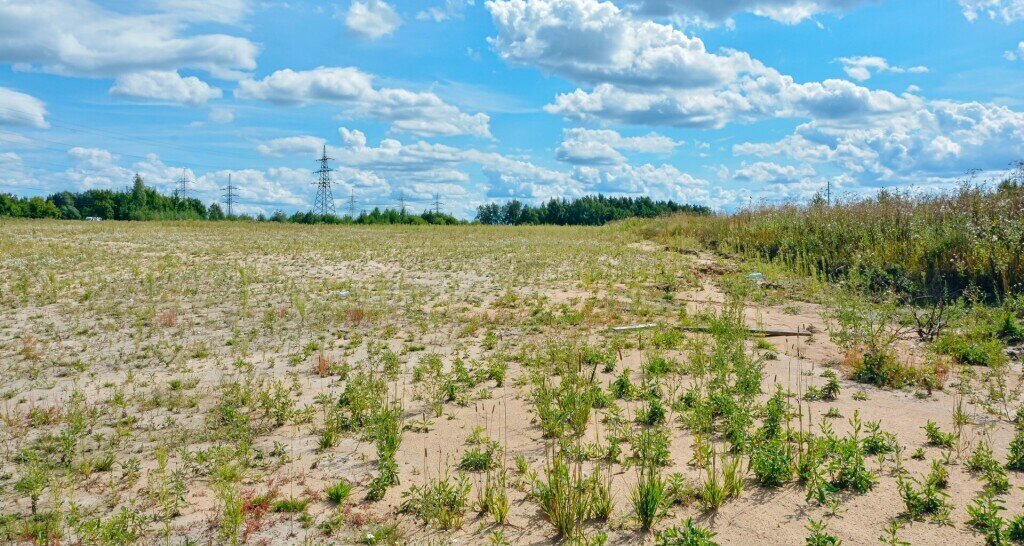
(979, 352)
(881, 368)
(772, 463)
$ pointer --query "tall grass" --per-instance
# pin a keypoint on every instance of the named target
(918, 244)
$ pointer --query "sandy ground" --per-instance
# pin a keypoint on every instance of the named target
(121, 312)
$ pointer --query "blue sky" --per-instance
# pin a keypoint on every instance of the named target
(720, 102)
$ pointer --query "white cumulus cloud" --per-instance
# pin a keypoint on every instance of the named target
(416, 113)
(163, 85)
(81, 38)
(863, 67)
(17, 108)
(1007, 11)
(789, 12)
(604, 146)
(372, 19)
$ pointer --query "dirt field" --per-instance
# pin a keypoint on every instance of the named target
(180, 383)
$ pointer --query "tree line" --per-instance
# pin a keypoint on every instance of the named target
(140, 202)
(589, 210)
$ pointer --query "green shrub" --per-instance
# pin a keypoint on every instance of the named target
(972, 352)
(881, 368)
(772, 463)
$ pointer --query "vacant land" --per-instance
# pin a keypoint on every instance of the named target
(230, 383)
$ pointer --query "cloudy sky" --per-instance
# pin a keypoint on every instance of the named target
(720, 102)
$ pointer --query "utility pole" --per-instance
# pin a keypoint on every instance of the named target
(828, 192)
(352, 204)
(230, 196)
(437, 204)
(324, 203)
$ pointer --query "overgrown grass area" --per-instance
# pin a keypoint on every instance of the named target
(917, 244)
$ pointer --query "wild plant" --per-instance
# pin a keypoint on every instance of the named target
(690, 534)
(339, 491)
(722, 484)
(495, 499)
(33, 481)
(564, 410)
(127, 526)
(1015, 529)
(564, 496)
(428, 373)
(678, 490)
(167, 490)
(601, 500)
(651, 447)
(386, 431)
(877, 441)
(924, 500)
(483, 455)
(830, 391)
(819, 535)
(649, 496)
(984, 515)
(441, 502)
(1015, 452)
(771, 462)
(937, 437)
(890, 536)
(652, 414)
(845, 462)
(938, 476)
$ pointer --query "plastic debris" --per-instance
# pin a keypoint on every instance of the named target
(343, 293)
(756, 276)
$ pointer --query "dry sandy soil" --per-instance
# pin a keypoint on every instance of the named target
(134, 332)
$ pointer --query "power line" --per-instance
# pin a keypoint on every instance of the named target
(75, 127)
(324, 203)
(69, 145)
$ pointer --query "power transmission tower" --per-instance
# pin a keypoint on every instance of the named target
(324, 203)
(828, 193)
(401, 203)
(352, 204)
(230, 196)
(183, 185)
(437, 204)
